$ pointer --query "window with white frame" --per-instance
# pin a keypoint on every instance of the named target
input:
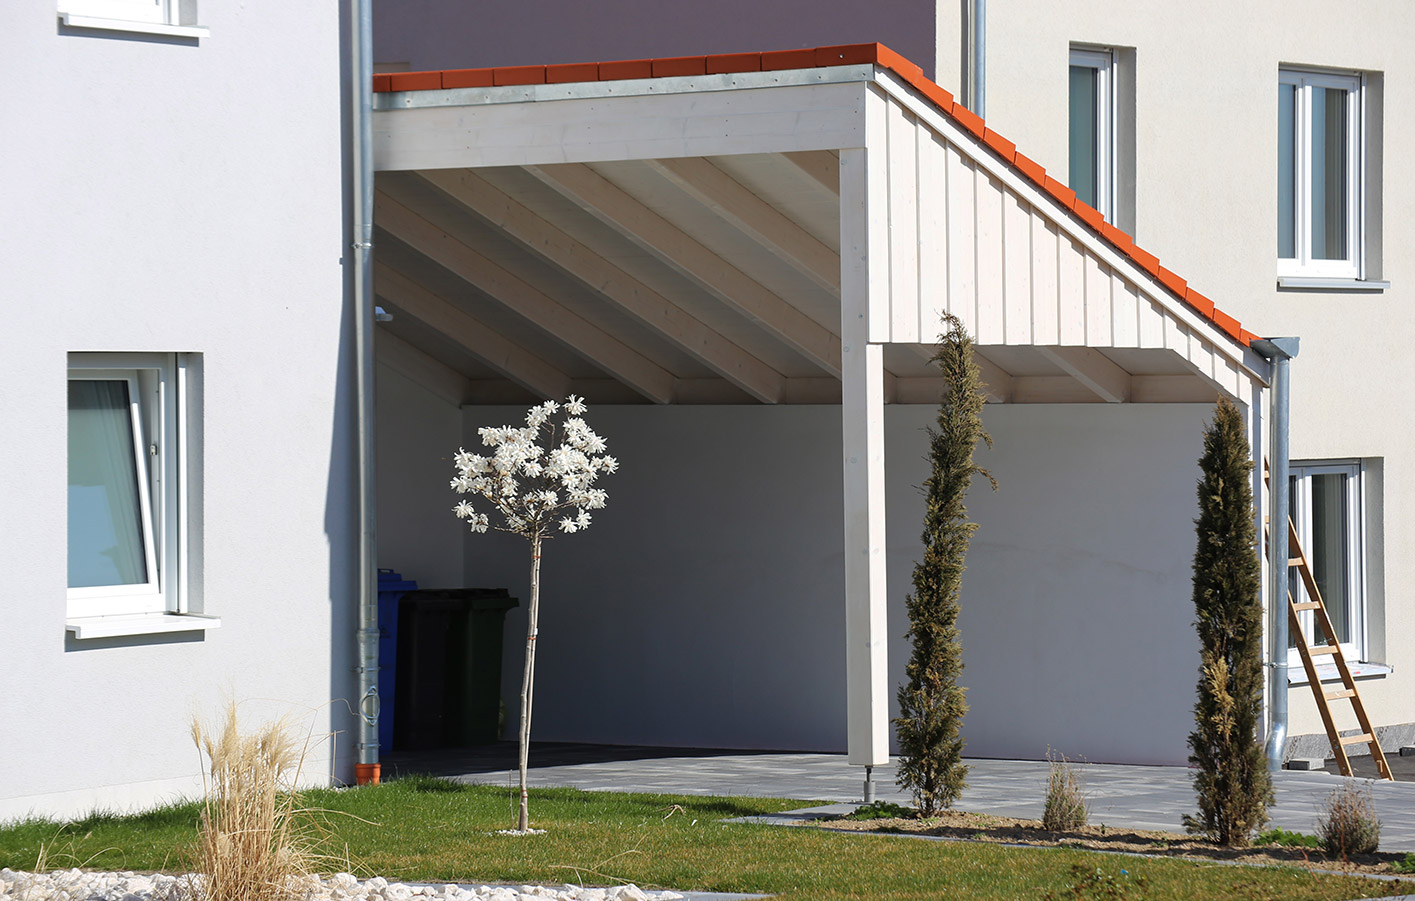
(1319, 178)
(1326, 504)
(1092, 128)
(163, 17)
(129, 467)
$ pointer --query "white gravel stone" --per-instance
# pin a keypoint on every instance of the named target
(77, 885)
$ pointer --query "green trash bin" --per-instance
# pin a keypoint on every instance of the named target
(448, 692)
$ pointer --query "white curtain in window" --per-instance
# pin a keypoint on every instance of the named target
(106, 545)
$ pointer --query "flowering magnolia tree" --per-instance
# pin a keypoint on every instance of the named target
(539, 478)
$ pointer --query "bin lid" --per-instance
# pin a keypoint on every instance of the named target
(476, 598)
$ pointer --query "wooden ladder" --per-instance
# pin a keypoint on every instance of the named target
(1298, 560)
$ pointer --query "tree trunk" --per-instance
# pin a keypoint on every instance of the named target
(523, 821)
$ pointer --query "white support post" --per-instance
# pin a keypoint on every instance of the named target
(864, 322)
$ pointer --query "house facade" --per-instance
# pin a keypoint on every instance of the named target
(180, 346)
(740, 259)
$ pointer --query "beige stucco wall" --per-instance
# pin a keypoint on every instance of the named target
(1205, 77)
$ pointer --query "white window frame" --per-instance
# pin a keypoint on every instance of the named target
(1103, 62)
(160, 395)
(1302, 265)
(169, 18)
(1354, 649)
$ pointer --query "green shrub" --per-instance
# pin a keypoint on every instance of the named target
(879, 810)
(1231, 780)
(1285, 839)
(931, 702)
(1348, 824)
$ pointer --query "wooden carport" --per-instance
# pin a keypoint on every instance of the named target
(764, 229)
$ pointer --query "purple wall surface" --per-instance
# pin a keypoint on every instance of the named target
(457, 34)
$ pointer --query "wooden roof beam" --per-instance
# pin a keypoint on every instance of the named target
(605, 201)
(1093, 369)
(480, 340)
(574, 331)
(739, 206)
(637, 299)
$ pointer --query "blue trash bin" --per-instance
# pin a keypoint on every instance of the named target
(391, 588)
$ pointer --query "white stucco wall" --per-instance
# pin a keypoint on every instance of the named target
(705, 608)
(167, 197)
(418, 433)
(1205, 79)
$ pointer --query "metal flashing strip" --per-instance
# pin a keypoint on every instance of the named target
(685, 84)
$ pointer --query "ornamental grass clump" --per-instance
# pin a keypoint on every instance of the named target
(540, 477)
(252, 840)
(1348, 824)
(1065, 805)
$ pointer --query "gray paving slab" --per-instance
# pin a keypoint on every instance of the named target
(1134, 797)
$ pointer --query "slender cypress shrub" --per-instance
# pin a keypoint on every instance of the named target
(1232, 781)
(932, 703)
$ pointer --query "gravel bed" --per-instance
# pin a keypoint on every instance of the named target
(78, 885)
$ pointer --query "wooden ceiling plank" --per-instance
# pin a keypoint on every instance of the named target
(609, 281)
(821, 165)
(584, 337)
(480, 340)
(415, 364)
(739, 206)
(711, 273)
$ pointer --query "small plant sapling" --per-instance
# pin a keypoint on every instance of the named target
(539, 478)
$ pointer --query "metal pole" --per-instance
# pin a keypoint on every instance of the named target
(978, 82)
(361, 124)
(1280, 351)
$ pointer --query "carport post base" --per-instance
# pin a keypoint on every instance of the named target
(869, 785)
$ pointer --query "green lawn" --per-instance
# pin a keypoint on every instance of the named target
(430, 830)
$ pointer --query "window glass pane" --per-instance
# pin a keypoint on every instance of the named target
(105, 522)
(1294, 578)
(1084, 132)
(1329, 164)
(1286, 171)
(1330, 541)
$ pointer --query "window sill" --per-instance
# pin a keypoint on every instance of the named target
(194, 32)
(1309, 283)
(139, 624)
(1327, 672)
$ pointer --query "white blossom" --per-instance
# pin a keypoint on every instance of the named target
(539, 476)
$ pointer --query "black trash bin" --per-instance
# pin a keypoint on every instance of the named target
(448, 687)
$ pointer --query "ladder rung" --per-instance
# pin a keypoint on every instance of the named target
(1324, 650)
(1338, 695)
(1362, 739)
(1305, 605)
(1294, 562)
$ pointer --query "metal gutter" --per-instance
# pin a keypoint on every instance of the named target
(361, 207)
(1280, 352)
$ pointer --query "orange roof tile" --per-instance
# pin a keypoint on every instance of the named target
(818, 57)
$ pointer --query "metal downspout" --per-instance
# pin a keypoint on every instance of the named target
(977, 59)
(1280, 351)
(361, 126)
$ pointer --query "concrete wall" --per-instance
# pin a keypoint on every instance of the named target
(1205, 78)
(452, 34)
(704, 607)
(160, 197)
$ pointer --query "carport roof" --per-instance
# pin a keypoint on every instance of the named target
(821, 57)
(728, 229)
